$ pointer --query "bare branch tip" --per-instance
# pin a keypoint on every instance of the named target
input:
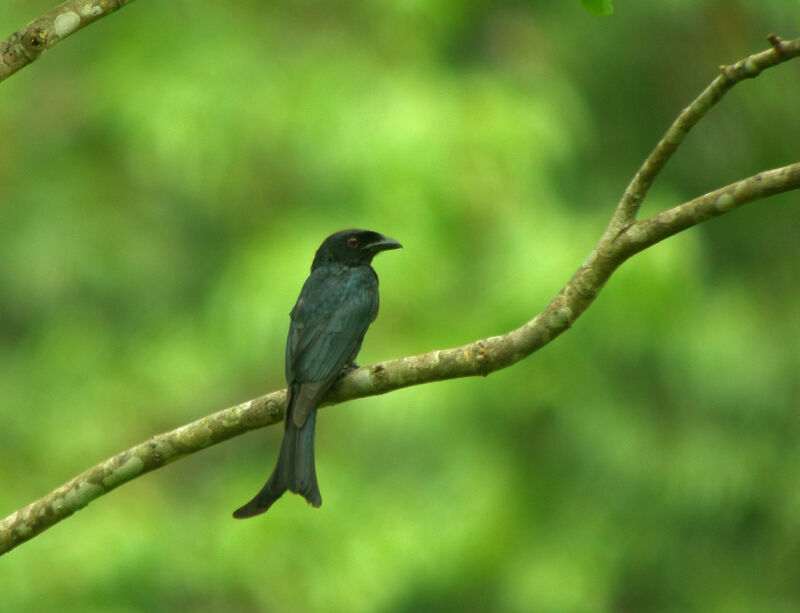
(776, 42)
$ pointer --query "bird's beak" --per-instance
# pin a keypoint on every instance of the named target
(384, 243)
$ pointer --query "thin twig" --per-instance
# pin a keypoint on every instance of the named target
(27, 44)
(647, 232)
(747, 68)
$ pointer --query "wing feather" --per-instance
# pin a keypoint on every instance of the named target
(329, 321)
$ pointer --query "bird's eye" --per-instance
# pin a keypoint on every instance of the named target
(352, 241)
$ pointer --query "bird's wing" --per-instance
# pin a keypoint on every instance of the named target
(330, 319)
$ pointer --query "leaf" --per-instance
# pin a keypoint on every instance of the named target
(598, 7)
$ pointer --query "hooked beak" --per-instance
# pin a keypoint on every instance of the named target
(384, 243)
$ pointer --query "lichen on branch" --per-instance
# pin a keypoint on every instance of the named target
(27, 44)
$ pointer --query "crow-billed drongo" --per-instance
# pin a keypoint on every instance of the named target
(336, 306)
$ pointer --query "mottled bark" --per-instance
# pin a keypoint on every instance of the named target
(27, 44)
(623, 238)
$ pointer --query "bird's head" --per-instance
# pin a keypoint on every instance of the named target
(352, 248)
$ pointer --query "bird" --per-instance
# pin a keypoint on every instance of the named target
(337, 304)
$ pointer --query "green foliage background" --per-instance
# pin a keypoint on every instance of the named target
(165, 178)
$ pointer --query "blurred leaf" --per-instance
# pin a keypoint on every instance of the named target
(598, 7)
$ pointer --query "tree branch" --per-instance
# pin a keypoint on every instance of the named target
(623, 238)
(27, 44)
(747, 68)
(647, 232)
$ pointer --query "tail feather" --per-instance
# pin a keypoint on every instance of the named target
(303, 477)
(295, 470)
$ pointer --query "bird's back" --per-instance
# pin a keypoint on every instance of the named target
(329, 321)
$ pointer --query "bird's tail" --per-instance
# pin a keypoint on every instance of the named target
(295, 470)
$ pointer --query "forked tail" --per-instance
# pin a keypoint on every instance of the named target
(295, 470)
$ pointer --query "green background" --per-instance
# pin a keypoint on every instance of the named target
(165, 178)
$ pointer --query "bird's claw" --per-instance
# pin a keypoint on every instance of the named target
(349, 367)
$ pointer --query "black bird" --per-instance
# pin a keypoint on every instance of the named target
(338, 302)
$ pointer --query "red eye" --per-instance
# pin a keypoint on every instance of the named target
(352, 241)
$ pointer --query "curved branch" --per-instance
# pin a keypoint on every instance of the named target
(27, 44)
(647, 232)
(747, 68)
(481, 357)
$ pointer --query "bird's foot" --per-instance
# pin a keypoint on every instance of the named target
(349, 368)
